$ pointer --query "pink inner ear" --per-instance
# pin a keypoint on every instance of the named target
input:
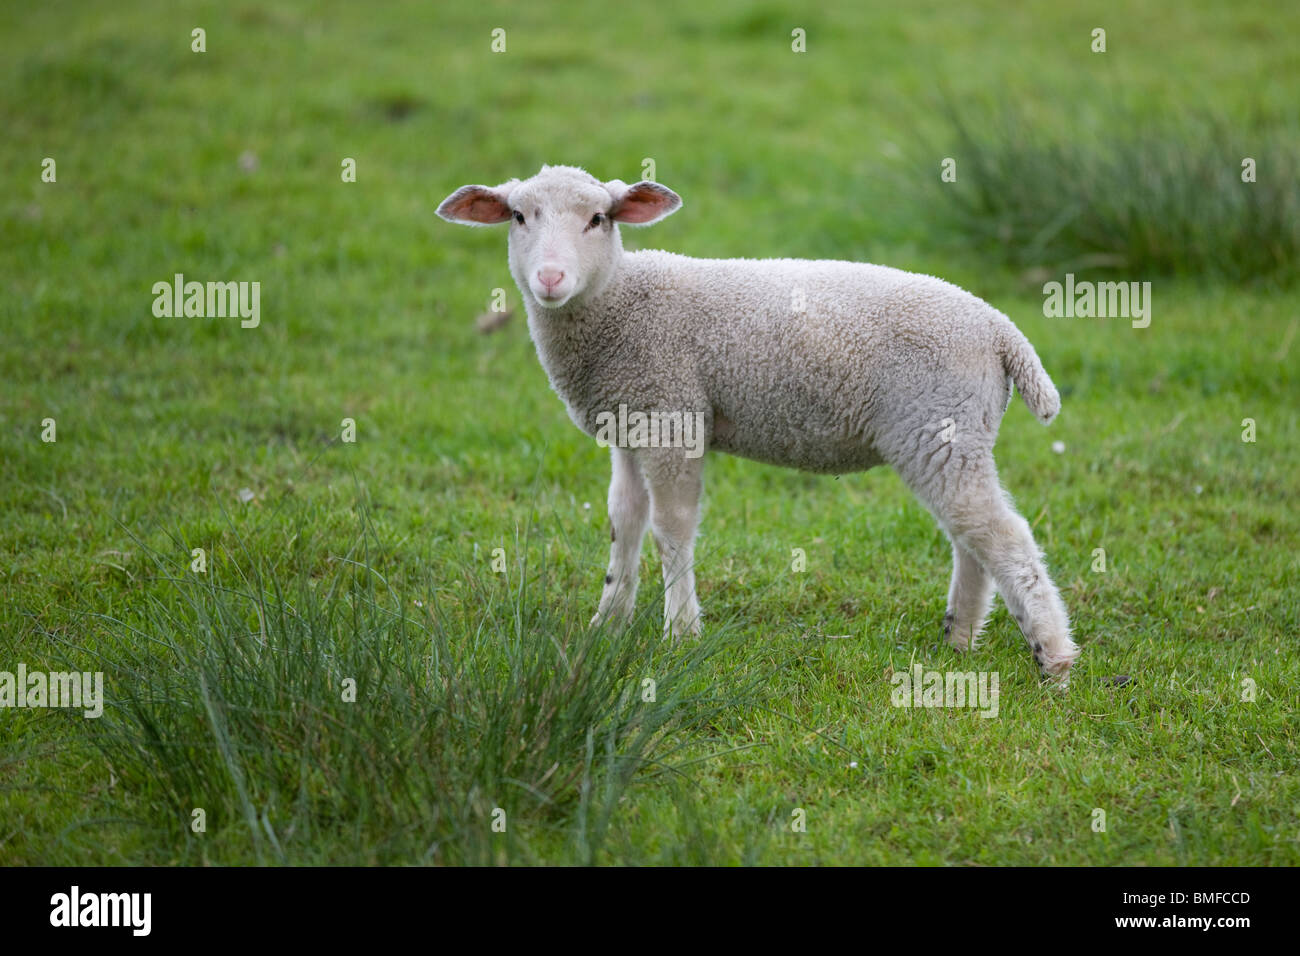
(487, 208)
(479, 205)
(642, 204)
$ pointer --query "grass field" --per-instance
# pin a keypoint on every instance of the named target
(478, 691)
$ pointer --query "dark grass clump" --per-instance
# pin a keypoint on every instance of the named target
(483, 695)
(1129, 195)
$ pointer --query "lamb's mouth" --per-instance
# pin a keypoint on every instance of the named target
(553, 301)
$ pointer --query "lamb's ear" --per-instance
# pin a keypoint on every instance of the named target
(478, 205)
(641, 203)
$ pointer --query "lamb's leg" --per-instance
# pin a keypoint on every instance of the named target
(1006, 547)
(676, 483)
(969, 598)
(966, 497)
(629, 513)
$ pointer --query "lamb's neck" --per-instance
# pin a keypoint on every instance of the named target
(568, 340)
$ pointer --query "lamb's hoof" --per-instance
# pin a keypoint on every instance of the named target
(1056, 667)
(676, 633)
(611, 619)
(960, 639)
(954, 640)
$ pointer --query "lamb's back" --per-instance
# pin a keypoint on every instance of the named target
(804, 362)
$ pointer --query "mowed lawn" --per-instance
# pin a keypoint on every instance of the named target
(1180, 725)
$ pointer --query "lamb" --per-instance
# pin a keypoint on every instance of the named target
(823, 366)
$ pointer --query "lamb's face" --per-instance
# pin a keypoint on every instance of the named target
(564, 240)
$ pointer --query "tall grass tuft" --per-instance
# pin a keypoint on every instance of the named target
(1129, 195)
(472, 700)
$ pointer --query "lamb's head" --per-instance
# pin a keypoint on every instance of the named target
(564, 241)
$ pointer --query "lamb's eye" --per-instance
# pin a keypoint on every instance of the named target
(598, 219)
(519, 218)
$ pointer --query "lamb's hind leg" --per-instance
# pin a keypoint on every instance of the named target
(629, 513)
(986, 525)
(969, 597)
(1006, 547)
(969, 503)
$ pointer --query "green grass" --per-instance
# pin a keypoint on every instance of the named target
(373, 559)
(1167, 199)
(273, 706)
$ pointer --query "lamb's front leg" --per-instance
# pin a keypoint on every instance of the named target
(629, 512)
(675, 487)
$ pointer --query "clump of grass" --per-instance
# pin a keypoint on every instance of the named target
(233, 699)
(1129, 195)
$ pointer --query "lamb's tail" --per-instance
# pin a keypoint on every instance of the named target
(1021, 362)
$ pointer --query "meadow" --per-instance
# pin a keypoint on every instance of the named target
(345, 678)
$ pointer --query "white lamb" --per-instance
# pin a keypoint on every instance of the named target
(819, 365)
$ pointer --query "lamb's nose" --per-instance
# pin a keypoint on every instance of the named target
(550, 278)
